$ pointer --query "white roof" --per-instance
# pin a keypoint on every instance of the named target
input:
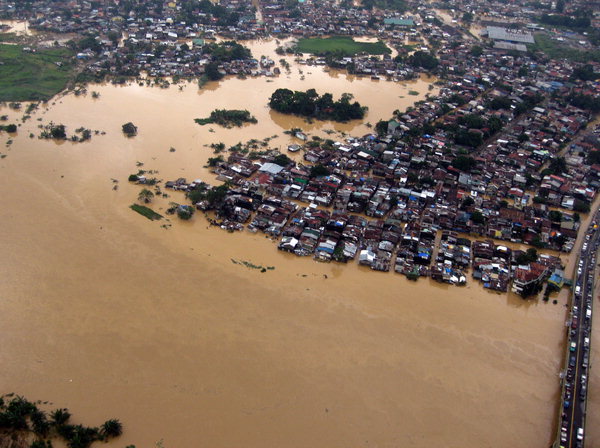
(271, 168)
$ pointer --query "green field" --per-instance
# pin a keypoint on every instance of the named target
(340, 44)
(145, 211)
(27, 76)
(8, 37)
(556, 50)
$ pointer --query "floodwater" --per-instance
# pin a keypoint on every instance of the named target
(113, 316)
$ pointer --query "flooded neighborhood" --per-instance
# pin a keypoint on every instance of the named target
(402, 279)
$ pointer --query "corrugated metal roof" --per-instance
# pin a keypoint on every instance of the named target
(499, 33)
(509, 46)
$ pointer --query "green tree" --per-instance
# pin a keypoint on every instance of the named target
(212, 71)
(282, 160)
(381, 127)
(114, 37)
(477, 217)
(532, 254)
(129, 129)
(581, 206)
(467, 202)
(111, 428)
(214, 161)
(216, 195)
(185, 212)
(145, 196)
(593, 157)
(558, 165)
(58, 132)
(318, 170)
(423, 59)
(464, 163)
(60, 417)
(585, 73)
(476, 50)
(555, 216)
(40, 424)
(522, 72)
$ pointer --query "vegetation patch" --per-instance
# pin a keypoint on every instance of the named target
(343, 45)
(250, 265)
(227, 118)
(34, 74)
(25, 424)
(311, 104)
(59, 132)
(9, 37)
(145, 211)
(129, 129)
(556, 50)
(11, 128)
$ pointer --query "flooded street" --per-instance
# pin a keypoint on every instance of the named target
(113, 316)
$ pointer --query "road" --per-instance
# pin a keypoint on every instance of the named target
(571, 432)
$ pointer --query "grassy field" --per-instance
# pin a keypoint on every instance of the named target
(341, 44)
(8, 37)
(26, 76)
(145, 211)
(556, 50)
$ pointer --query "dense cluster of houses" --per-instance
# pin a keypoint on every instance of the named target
(500, 153)
(382, 216)
(412, 243)
(399, 200)
(165, 37)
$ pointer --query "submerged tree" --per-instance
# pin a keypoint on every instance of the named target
(22, 423)
(129, 129)
(111, 428)
(145, 196)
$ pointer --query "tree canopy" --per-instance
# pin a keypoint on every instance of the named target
(311, 104)
(129, 129)
(227, 51)
(23, 423)
(464, 163)
(423, 59)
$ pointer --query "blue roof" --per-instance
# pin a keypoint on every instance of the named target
(556, 278)
(399, 22)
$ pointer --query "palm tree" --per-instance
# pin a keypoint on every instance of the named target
(60, 417)
(145, 196)
(111, 428)
(40, 424)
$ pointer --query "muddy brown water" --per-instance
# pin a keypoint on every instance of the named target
(112, 315)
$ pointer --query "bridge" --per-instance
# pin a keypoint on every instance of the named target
(571, 430)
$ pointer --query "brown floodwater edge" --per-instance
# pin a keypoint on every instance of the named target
(111, 315)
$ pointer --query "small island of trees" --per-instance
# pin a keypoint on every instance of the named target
(312, 105)
(23, 423)
(129, 129)
(227, 118)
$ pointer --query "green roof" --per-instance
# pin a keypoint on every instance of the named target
(398, 22)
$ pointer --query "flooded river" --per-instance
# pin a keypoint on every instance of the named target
(112, 315)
